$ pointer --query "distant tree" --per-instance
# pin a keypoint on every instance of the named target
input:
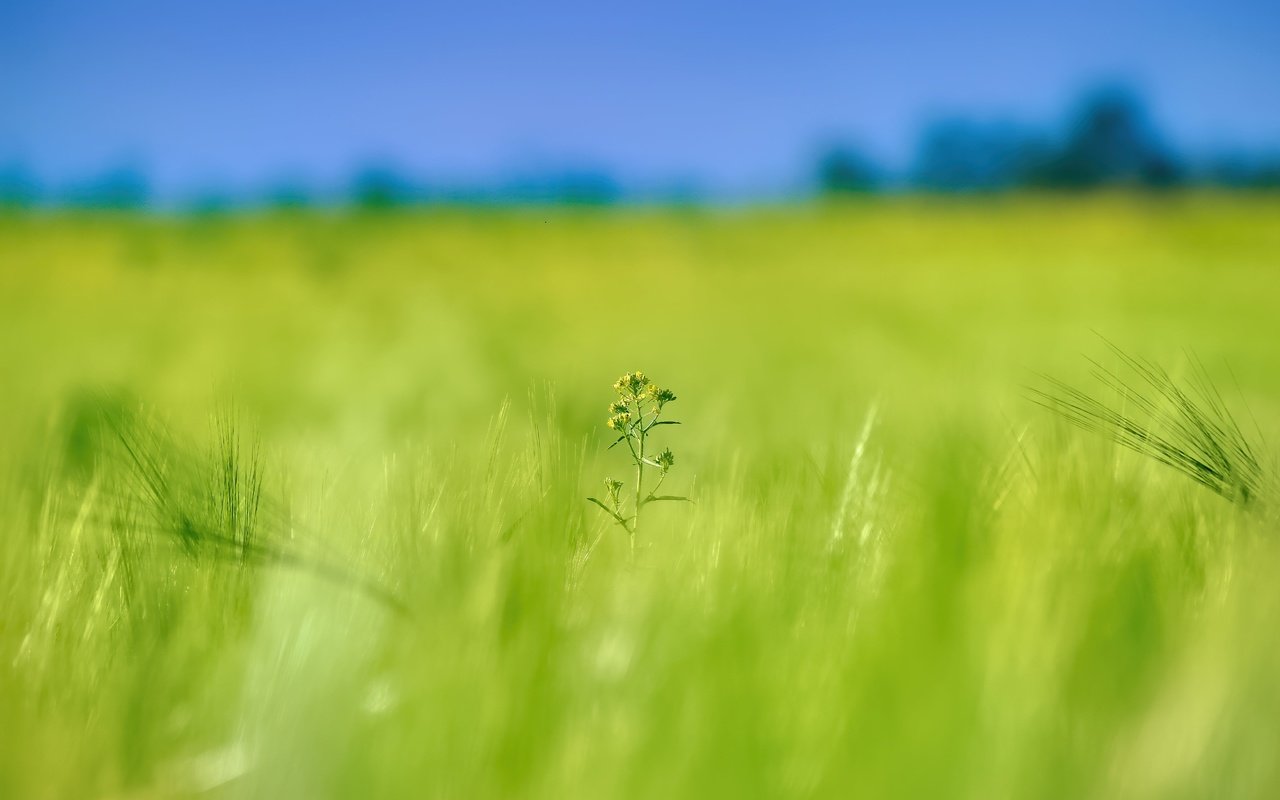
(290, 194)
(1244, 170)
(1111, 142)
(587, 188)
(210, 202)
(567, 186)
(18, 187)
(383, 187)
(119, 188)
(845, 170)
(679, 193)
(959, 155)
(1266, 174)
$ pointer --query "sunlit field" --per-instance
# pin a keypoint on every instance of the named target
(294, 504)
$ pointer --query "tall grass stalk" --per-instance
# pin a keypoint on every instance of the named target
(1185, 425)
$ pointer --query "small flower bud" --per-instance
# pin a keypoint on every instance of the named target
(666, 459)
(612, 487)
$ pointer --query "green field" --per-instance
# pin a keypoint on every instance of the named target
(975, 600)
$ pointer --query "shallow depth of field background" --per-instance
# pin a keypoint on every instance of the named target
(348, 288)
(983, 603)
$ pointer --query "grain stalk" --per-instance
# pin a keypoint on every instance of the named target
(1184, 425)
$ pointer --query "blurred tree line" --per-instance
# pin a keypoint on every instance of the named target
(374, 187)
(1109, 140)
(122, 187)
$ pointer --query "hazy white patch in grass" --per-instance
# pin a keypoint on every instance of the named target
(613, 654)
(381, 697)
(212, 769)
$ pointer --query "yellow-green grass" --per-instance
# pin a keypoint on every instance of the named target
(981, 602)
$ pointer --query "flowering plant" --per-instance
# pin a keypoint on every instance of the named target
(633, 416)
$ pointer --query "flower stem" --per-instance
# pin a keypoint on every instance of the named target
(635, 525)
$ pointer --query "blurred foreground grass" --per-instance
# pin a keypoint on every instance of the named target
(980, 603)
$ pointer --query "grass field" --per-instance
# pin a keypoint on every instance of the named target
(294, 505)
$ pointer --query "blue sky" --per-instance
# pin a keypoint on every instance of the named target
(735, 95)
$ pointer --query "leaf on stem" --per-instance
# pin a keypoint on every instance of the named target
(609, 511)
(652, 498)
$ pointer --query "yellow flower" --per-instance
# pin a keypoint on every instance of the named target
(631, 384)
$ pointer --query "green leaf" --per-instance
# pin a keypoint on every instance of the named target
(653, 499)
(609, 511)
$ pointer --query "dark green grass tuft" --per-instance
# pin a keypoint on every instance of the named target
(1183, 425)
(213, 505)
